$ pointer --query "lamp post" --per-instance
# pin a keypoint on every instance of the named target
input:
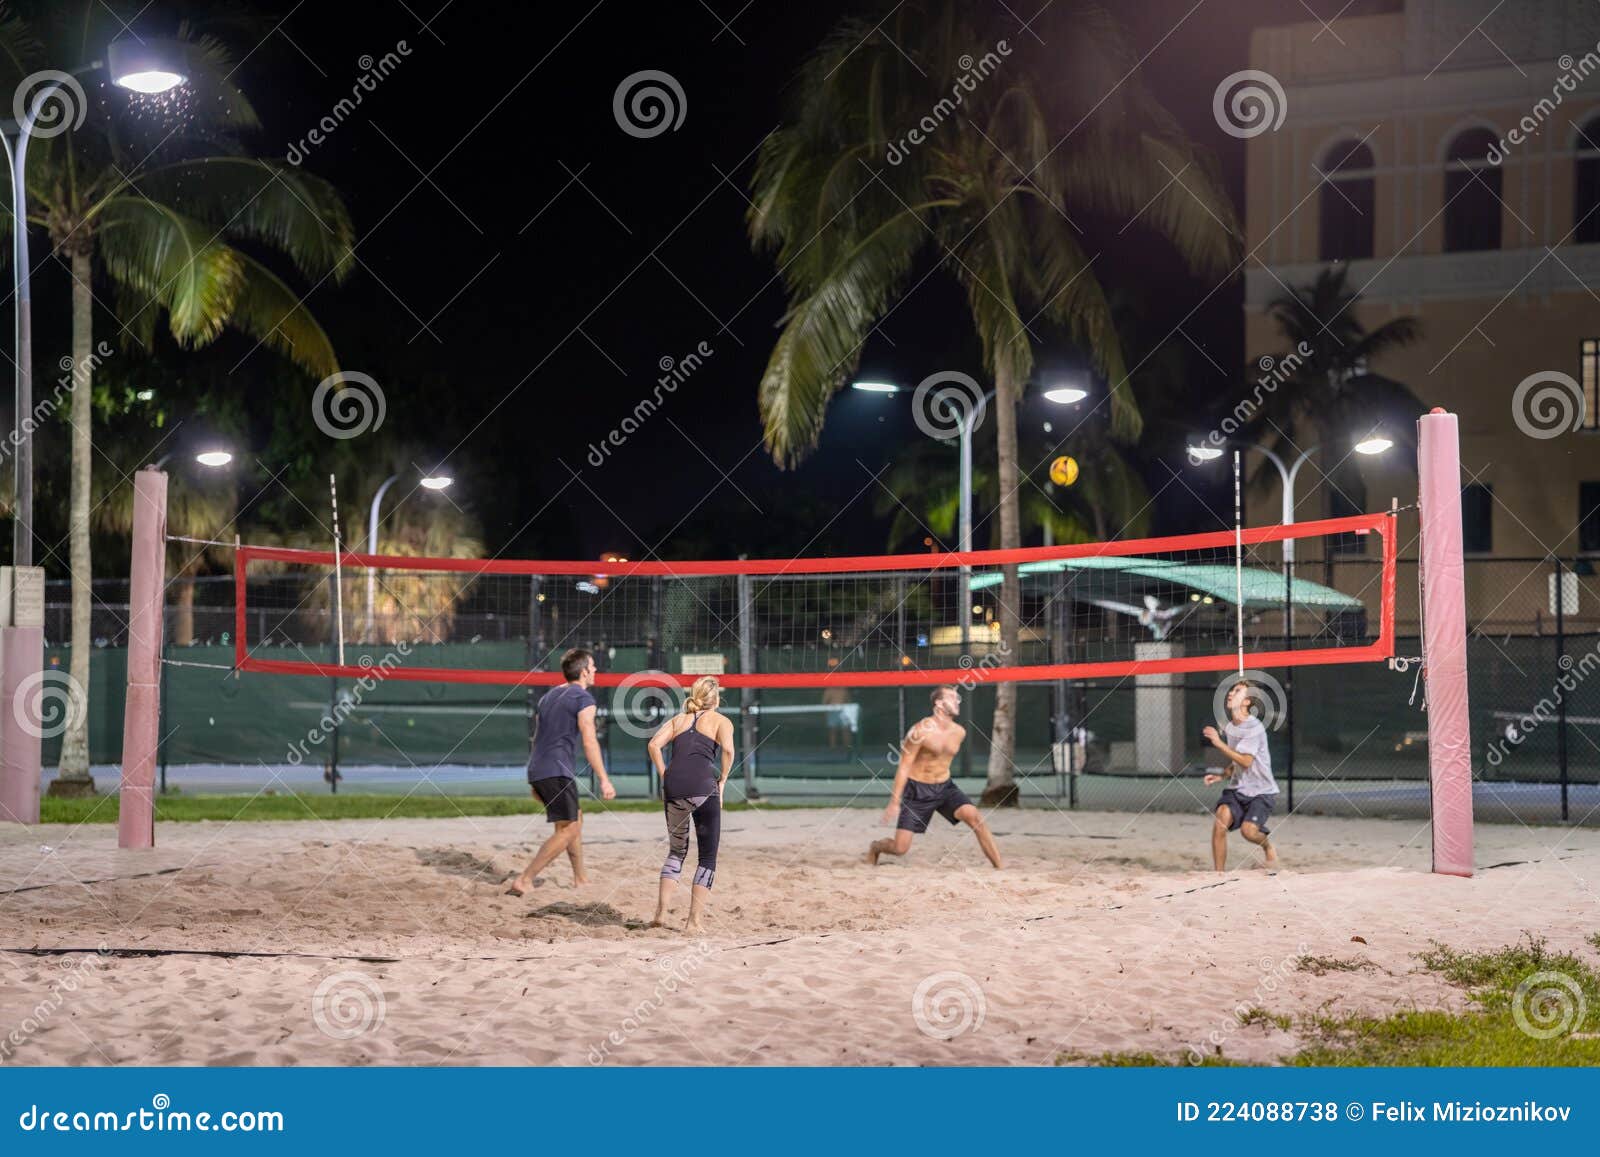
(427, 482)
(149, 66)
(967, 416)
(1202, 452)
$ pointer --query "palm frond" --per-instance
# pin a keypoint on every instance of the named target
(297, 213)
(173, 259)
(272, 313)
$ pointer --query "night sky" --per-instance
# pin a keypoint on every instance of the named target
(525, 265)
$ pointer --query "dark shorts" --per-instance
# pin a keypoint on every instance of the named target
(559, 794)
(921, 800)
(1253, 808)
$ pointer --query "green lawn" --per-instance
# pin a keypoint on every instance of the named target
(290, 806)
(1525, 981)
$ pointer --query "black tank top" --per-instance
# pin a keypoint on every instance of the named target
(692, 771)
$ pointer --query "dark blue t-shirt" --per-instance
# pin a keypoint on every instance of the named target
(555, 746)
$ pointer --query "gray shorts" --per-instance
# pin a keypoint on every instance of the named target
(1255, 809)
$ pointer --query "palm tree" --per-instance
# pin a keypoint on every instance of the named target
(921, 492)
(1331, 390)
(197, 508)
(943, 130)
(153, 206)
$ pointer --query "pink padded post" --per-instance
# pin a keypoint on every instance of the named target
(141, 721)
(21, 661)
(1444, 625)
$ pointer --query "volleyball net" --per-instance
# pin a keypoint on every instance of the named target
(1182, 604)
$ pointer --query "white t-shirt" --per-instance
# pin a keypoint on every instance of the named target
(1250, 738)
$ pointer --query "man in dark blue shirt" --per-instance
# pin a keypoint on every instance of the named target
(566, 718)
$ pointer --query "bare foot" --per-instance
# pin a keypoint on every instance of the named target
(519, 887)
(695, 928)
(871, 857)
(580, 882)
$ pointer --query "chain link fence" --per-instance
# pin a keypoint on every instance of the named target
(1346, 739)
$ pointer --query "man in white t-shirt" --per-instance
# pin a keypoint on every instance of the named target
(1252, 793)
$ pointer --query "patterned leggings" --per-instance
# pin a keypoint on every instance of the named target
(706, 813)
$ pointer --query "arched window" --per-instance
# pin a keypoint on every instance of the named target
(1586, 185)
(1471, 193)
(1346, 202)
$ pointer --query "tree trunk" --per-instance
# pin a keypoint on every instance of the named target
(72, 777)
(183, 612)
(1001, 788)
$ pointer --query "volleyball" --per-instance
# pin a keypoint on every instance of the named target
(1064, 470)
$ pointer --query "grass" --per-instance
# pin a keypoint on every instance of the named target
(1322, 965)
(175, 808)
(1499, 991)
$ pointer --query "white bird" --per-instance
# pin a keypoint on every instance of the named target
(1155, 618)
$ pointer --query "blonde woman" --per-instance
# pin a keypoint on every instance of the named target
(701, 738)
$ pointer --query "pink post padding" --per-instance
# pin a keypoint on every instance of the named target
(21, 659)
(1444, 625)
(141, 720)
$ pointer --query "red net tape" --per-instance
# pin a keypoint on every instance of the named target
(1090, 610)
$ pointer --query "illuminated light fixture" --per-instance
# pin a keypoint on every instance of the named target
(436, 481)
(151, 66)
(145, 396)
(875, 387)
(214, 457)
(1376, 444)
(1205, 453)
(587, 587)
(1065, 395)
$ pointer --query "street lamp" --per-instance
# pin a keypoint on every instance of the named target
(210, 458)
(1202, 452)
(427, 482)
(149, 66)
(968, 417)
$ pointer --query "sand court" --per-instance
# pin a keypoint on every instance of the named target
(391, 941)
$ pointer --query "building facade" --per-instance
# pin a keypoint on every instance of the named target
(1449, 155)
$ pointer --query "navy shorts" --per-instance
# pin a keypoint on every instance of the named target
(1255, 809)
(921, 800)
(559, 794)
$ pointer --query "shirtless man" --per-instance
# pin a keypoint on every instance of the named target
(922, 783)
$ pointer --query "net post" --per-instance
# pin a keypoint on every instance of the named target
(1444, 624)
(141, 719)
(748, 707)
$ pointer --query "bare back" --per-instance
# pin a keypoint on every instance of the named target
(934, 742)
